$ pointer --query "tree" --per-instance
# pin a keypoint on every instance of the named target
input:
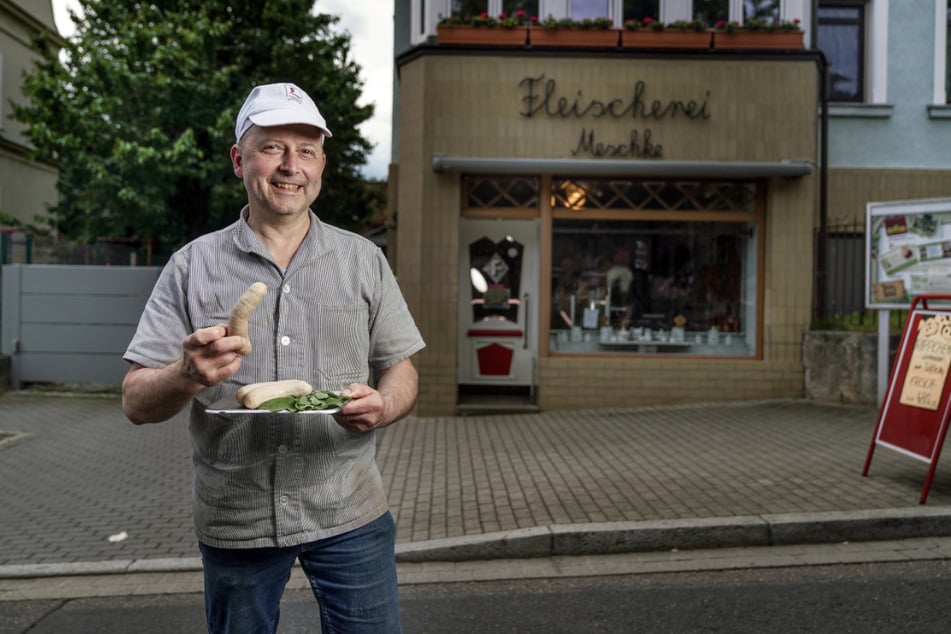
(139, 113)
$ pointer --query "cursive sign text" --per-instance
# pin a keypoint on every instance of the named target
(637, 146)
(542, 98)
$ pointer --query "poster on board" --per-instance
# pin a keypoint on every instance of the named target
(908, 251)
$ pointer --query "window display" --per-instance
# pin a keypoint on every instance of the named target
(653, 286)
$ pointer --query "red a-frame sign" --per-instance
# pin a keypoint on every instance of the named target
(913, 418)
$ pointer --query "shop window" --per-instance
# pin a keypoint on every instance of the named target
(576, 194)
(841, 36)
(495, 192)
(655, 267)
(653, 287)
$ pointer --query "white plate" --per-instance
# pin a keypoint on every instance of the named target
(229, 405)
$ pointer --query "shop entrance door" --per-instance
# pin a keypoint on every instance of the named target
(498, 303)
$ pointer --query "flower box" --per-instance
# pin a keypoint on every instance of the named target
(668, 38)
(466, 34)
(602, 38)
(744, 39)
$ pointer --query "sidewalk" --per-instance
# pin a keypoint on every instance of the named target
(76, 474)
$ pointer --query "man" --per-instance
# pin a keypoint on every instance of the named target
(274, 488)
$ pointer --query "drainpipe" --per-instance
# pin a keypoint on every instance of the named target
(822, 273)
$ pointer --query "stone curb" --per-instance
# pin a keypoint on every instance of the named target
(599, 539)
(660, 535)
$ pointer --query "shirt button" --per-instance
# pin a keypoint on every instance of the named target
(285, 340)
(286, 288)
(282, 449)
(283, 499)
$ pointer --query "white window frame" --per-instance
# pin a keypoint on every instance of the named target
(938, 97)
(876, 50)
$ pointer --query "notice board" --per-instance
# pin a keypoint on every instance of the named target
(907, 251)
(913, 418)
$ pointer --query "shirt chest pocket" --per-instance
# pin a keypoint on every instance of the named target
(343, 344)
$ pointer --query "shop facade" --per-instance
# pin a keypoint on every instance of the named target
(591, 229)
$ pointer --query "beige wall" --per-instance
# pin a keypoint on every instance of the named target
(26, 187)
(469, 105)
(850, 190)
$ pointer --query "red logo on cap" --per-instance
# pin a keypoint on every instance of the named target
(293, 93)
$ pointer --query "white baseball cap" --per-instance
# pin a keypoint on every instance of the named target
(278, 104)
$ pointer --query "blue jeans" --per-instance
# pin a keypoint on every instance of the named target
(353, 577)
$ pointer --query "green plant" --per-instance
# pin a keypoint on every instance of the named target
(504, 20)
(769, 26)
(688, 25)
(729, 27)
(645, 23)
(863, 321)
(518, 18)
(553, 24)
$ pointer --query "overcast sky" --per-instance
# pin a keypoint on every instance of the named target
(370, 23)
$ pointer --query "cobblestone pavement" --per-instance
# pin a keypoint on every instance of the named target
(76, 473)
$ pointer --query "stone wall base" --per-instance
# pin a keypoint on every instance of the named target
(842, 366)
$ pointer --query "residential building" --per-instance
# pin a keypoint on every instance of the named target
(27, 187)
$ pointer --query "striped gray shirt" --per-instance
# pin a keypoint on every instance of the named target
(333, 318)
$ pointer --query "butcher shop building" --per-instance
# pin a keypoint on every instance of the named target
(609, 223)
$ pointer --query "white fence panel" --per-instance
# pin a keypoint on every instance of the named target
(70, 324)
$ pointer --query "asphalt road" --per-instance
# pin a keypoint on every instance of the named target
(872, 598)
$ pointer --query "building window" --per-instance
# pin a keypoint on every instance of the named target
(841, 36)
(590, 9)
(579, 194)
(765, 10)
(499, 192)
(640, 9)
(660, 267)
(493, 7)
(530, 7)
(711, 11)
(469, 7)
